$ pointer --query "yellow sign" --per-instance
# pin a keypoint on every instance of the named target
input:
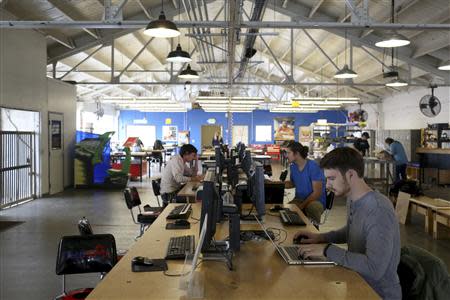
(168, 121)
(295, 104)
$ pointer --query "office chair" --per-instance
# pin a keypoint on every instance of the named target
(80, 254)
(329, 200)
(142, 219)
(84, 227)
(422, 275)
(156, 186)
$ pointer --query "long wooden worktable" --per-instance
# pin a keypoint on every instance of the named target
(259, 272)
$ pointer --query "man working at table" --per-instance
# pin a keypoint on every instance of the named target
(308, 180)
(177, 172)
(371, 233)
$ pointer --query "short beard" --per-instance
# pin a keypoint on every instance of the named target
(345, 190)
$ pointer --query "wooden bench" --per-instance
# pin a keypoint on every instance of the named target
(440, 217)
(432, 208)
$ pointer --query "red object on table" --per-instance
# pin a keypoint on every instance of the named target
(134, 169)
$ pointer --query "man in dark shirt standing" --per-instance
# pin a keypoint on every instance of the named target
(361, 144)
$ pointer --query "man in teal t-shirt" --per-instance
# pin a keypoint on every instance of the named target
(308, 180)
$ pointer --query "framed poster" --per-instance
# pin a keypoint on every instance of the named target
(183, 137)
(304, 134)
(56, 134)
(169, 133)
(284, 129)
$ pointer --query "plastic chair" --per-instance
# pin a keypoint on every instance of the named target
(141, 219)
(80, 254)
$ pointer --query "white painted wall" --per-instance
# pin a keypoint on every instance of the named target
(402, 110)
(62, 99)
(24, 85)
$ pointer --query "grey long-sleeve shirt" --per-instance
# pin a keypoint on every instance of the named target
(373, 237)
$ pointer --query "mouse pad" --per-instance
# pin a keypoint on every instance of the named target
(175, 226)
(158, 265)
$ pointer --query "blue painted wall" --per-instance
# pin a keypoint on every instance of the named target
(194, 119)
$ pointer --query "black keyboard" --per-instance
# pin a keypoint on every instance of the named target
(179, 246)
(289, 217)
(180, 212)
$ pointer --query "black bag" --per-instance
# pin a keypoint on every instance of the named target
(406, 186)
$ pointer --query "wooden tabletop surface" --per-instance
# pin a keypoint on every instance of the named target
(433, 203)
(260, 273)
(187, 191)
(433, 151)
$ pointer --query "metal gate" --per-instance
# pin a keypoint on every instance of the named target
(17, 167)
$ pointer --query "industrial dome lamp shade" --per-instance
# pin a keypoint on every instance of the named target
(392, 40)
(188, 73)
(396, 82)
(179, 55)
(445, 66)
(162, 28)
(345, 72)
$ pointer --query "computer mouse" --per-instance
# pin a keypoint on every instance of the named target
(298, 239)
(182, 222)
(143, 261)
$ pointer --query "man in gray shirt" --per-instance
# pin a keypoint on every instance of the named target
(176, 173)
(371, 233)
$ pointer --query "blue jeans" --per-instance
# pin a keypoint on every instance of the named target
(400, 171)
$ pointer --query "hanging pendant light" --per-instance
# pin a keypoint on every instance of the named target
(188, 73)
(393, 73)
(392, 39)
(396, 82)
(445, 66)
(162, 28)
(178, 55)
(345, 72)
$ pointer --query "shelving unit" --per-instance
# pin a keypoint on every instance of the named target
(333, 133)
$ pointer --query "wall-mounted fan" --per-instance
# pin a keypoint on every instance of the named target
(430, 105)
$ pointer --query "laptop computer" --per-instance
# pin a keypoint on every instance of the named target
(290, 253)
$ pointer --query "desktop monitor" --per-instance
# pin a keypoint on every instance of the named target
(220, 159)
(256, 184)
(246, 162)
(232, 173)
(210, 204)
(241, 151)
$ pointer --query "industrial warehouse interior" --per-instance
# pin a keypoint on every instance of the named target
(224, 149)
